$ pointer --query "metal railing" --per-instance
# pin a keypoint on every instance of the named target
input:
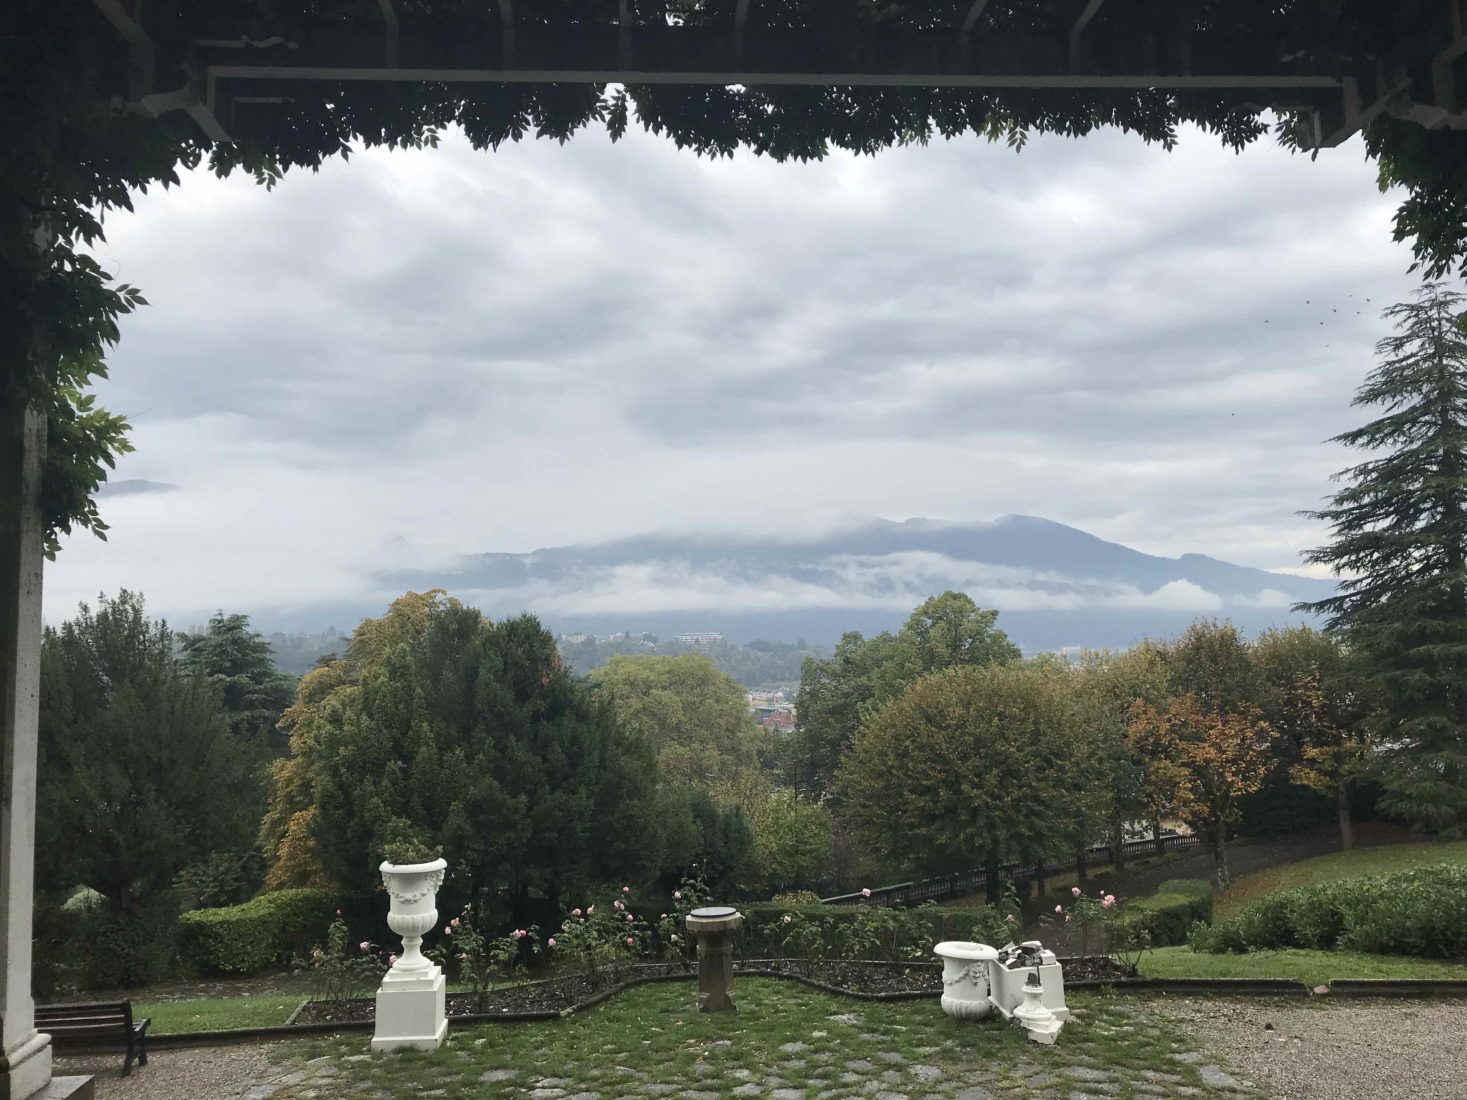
(961, 883)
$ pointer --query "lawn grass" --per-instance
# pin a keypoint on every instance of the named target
(1311, 967)
(1359, 863)
(215, 1013)
(652, 1041)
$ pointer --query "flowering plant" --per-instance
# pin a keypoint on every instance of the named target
(341, 970)
(602, 944)
(480, 960)
(672, 925)
(1095, 926)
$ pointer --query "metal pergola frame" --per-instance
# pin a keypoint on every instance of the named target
(231, 75)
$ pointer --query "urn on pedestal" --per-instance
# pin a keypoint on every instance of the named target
(410, 1002)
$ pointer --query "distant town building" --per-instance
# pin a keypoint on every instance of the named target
(781, 719)
(771, 709)
(700, 637)
(636, 639)
(576, 639)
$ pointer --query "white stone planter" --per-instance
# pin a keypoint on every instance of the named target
(410, 1003)
(965, 978)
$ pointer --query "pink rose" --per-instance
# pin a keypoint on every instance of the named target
(590, 909)
(626, 889)
(1059, 908)
(338, 912)
(365, 945)
(391, 959)
(1110, 899)
(575, 912)
(1075, 890)
(629, 918)
(550, 942)
(1067, 918)
(1107, 902)
(865, 891)
(677, 895)
(454, 922)
(630, 941)
(618, 905)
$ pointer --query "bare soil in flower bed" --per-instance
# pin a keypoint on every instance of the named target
(549, 995)
(555, 995)
(914, 977)
(857, 977)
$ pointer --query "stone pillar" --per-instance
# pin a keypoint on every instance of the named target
(25, 1056)
(713, 929)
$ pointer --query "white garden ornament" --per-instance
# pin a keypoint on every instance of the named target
(410, 1007)
(1024, 983)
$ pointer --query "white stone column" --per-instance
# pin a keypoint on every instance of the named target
(25, 1056)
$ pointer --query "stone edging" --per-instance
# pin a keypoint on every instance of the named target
(1221, 987)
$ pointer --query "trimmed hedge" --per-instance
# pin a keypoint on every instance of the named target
(248, 938)
(1171, 912)
(1417, 912)
(764, 928)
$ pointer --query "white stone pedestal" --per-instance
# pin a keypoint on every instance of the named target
(410, 1013)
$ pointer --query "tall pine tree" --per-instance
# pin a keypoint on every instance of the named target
(1400, 546)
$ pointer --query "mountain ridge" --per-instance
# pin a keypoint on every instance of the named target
(1055, 586)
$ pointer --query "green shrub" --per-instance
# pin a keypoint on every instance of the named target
(1170, 914)
(1167, 917)
(1416, 912)
(852, 930)
(248, 938)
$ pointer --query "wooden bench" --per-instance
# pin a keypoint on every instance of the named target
(96, 1026)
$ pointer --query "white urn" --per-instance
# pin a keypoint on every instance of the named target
(410, 1002)
(412, 891)
(965, 978)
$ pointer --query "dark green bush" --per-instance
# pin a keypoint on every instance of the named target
(125, 950)
(248, 938)
(833, 926)
(1416, 912)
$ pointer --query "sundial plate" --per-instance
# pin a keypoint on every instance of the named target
(713, 912)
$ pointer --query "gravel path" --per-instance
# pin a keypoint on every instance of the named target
(1336, 1049)
(213, 1073)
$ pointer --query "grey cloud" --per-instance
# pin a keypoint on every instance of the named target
(543, 345)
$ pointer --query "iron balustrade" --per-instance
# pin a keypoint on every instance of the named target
(961, 883)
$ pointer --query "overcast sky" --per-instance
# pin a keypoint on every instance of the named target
(413, 355)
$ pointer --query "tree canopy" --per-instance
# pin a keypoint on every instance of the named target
(139, 773)
(975, 764)
(467, 735)
(239, 661)
(694, 717)
(836, 695)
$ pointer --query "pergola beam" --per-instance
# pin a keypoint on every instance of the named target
(769, 56)
(389, 31)
(1077, 32)
(974, 14)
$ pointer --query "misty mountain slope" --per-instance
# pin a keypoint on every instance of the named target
(1055, 585)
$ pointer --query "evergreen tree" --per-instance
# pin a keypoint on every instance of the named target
(139, 776)
(241, 663)
(472, 737)
(1400, 546)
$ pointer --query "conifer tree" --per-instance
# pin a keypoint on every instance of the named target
(1400, 547)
